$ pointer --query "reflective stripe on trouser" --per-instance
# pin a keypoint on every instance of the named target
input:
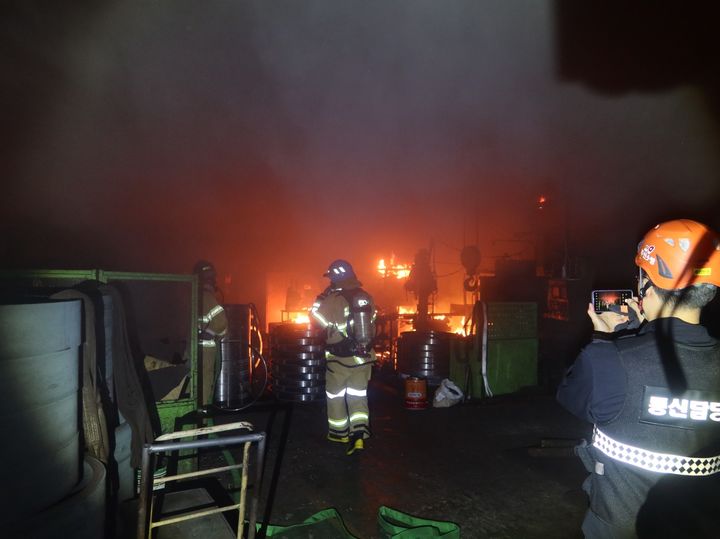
(347, 406)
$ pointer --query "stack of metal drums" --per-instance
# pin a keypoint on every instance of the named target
(297, 358)
(425, 354)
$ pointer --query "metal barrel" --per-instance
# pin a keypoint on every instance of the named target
(233, 385)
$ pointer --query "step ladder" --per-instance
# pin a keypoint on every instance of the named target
(174, 442)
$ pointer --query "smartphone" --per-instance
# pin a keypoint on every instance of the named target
(602, 300)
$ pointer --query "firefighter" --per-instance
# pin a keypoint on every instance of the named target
(212, 326)
(347, 314)
(653, 397)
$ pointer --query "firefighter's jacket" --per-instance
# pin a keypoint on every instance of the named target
(660, 420)
(330, 311)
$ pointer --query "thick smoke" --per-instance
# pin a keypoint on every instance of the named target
(269, 135)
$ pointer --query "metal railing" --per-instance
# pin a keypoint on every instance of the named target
(168, 442)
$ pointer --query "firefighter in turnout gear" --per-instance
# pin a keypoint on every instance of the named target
(654, 397)
(212, 326)
(347, 313)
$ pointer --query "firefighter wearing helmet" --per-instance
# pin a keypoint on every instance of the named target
(654, 396)
(346, 313)
(212, 327)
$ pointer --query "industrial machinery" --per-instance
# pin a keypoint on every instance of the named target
(423, 284)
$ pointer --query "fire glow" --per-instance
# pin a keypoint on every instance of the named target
(456, 324)
(399, 271)
(299, 318)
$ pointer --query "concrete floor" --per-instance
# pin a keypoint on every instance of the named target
(475, 464)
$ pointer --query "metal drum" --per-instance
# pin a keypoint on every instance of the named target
(297, 359)
(39, 382)
(233, 385)
(425, 354)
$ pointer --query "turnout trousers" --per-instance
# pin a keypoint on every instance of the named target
(346, 390)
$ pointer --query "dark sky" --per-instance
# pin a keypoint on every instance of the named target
(274, 136)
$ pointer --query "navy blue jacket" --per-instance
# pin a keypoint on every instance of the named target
(594, 387)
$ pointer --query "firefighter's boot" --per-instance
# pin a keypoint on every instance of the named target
(356, 444)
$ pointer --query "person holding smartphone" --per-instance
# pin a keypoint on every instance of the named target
(654, 396)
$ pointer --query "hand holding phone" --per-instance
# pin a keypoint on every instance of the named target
(611, 300)
(610, 312)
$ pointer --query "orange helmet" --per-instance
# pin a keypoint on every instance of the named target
(680, 253)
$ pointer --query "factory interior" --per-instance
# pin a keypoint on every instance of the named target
(136, 328)
(482, 165)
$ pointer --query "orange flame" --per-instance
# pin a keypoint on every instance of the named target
(458, 328)
(399, 271)
(456, 324)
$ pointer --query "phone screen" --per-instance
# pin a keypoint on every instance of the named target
(602, 300)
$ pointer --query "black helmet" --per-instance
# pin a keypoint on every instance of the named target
(339, 270)
(205, 271)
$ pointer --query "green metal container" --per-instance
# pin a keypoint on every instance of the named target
(511, 365)
(511, 348)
